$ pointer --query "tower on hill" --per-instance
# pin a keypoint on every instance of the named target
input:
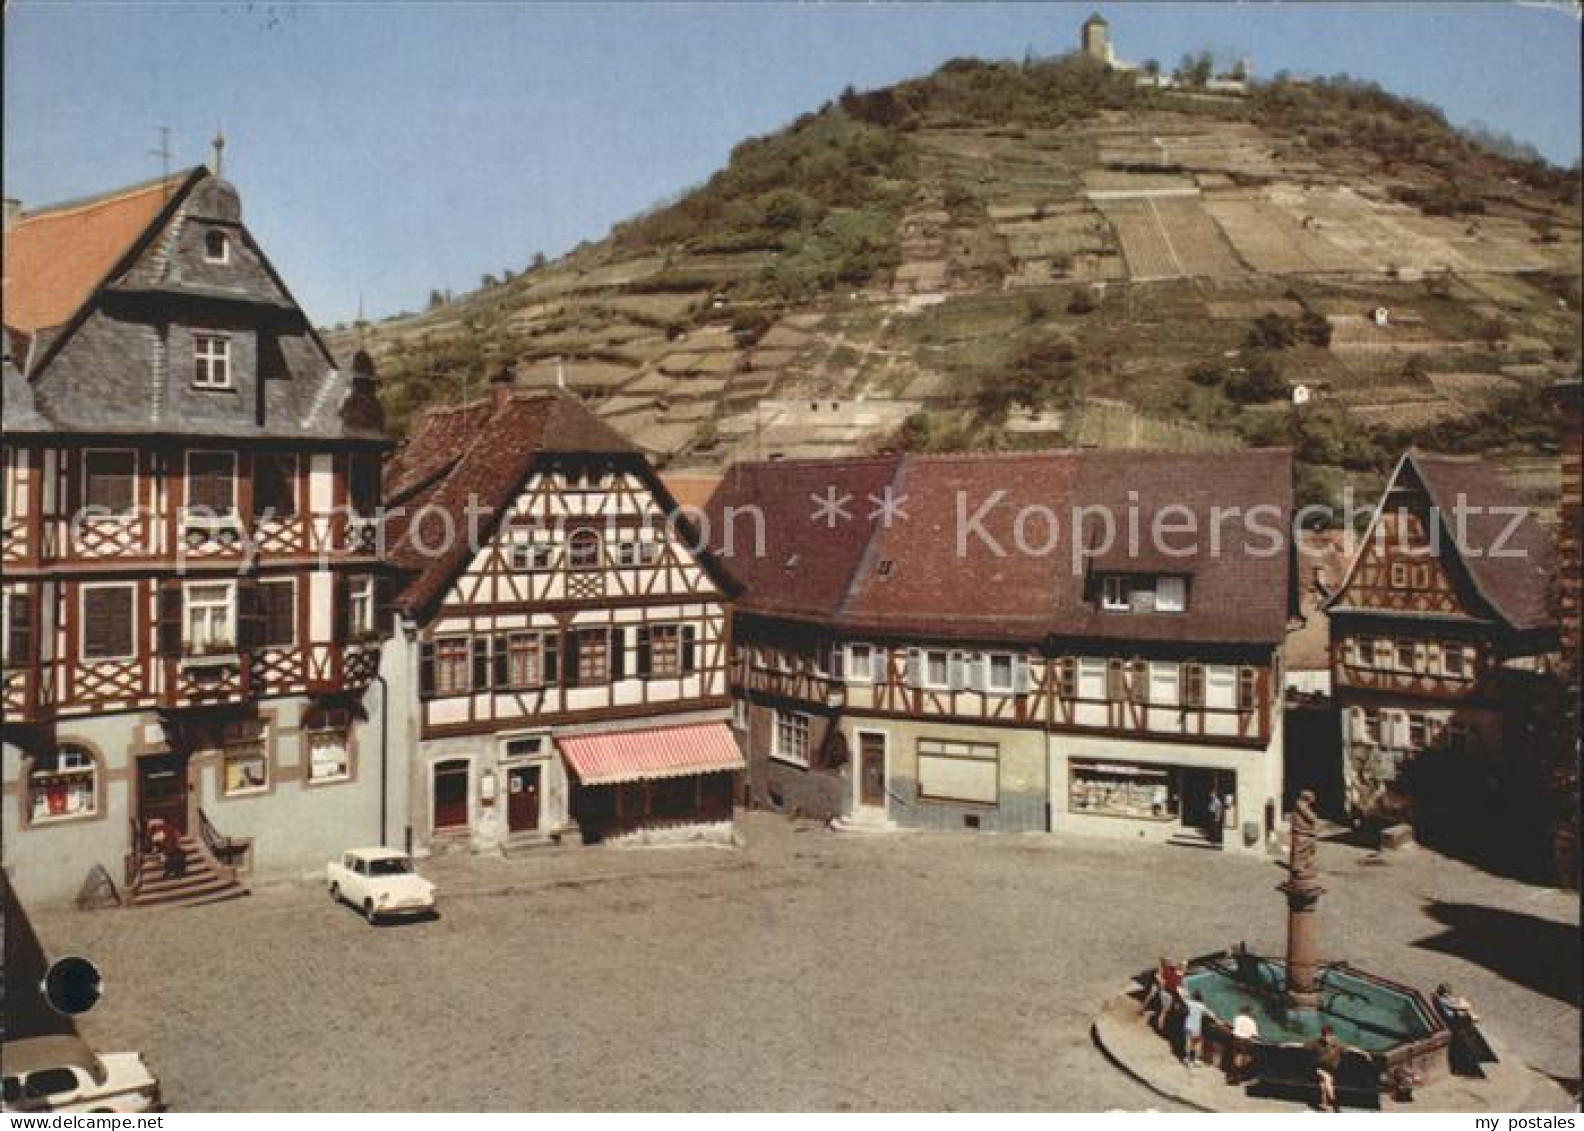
(1095, 39)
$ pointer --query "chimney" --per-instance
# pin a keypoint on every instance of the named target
(13, 212)
(501, 383)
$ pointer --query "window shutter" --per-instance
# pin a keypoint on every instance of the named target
(342, 629)
(481, 663)
(689, 648)
(502, 671)
(170, 619)
(956, 671)
(571, 659)
(384, 604)
(877, 662)
(914, 664)
(1021, 683)
(426, 669)
(552, 659)
(19, 642)
(618, 654)
(250, 615)
(645, 661)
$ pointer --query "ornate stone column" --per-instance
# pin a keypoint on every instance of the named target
(1302, 889)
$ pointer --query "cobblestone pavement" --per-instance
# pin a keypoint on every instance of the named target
(805, 970)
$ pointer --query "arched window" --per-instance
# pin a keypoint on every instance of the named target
(63, 784)
(217, 247)
(584, 550)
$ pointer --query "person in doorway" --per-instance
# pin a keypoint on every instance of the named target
(1216, 811)
(1328, 1061)
(1194, 1012)
(1245, 1031)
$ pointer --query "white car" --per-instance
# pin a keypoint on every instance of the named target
(379, 882)
(62, 1073)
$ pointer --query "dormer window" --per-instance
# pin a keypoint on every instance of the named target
(1115, 594)
(211, 361)
(1122, 593)
(217, 247)
(1171, 595)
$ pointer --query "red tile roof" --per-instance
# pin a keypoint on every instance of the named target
(1511, 569)
(662, 752)
(1012, 574)
(56, 257)
(470, 460)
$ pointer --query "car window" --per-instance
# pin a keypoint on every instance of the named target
(360, 867)
(394, 867)
(51, 1082)
(13, 1089)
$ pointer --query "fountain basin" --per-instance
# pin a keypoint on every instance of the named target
(1392, 1024)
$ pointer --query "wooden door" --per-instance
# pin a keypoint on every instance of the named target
(872, 770)
(522, 798)
(162, 790)
(450, 795)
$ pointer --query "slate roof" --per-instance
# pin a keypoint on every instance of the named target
(56, 256)
(477, 454)
(102, 297)
(937, 572)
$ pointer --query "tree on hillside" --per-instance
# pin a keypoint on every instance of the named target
(437, 299)
(538, 261)
(1197, 69)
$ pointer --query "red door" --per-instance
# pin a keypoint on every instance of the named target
(450, 795)
(522, 798)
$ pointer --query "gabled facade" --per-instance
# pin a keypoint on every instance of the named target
(1438, 631)
(191, 586)
(569, 650)
(919, 643)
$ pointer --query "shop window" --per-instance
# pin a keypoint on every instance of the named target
(1122, 790)
(791, 742)
(245, 757)
(966, 772)
(674, 798)
(63, 784)
(329, 742)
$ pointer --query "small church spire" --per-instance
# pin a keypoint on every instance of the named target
(219, 150)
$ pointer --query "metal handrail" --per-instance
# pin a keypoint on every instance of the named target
(134, 860)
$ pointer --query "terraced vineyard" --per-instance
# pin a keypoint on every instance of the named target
(1140, 237)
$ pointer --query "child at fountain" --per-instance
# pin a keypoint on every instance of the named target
(1328, 1058)
(1193, 1028)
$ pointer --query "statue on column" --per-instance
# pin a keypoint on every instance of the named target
(1302, 889)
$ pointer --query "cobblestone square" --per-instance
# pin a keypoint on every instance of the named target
(803, 970)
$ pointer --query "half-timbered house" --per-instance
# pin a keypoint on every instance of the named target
(569, 644)
(1441, 633)
(920, 642)
(190, 592)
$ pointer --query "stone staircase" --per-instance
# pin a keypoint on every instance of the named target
(1194, 838)
(206, 880)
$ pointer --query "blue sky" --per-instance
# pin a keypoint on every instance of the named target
(384, 149)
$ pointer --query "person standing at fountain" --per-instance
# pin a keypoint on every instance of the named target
(1328, 1060)
(1245, 1031)
(1194, 1014)
(1164, 994)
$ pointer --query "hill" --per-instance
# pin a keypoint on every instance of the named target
(1008, 255)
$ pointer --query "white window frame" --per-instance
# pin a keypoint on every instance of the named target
(634, 553)
(82, 619)
(1112, 585)
(212, 360)
(800, 725)
(1177, 585)
(926, 660)
(217, 646)
(90, 768)
(583, 534)
(1010, 684)
(225, 246)
(532, 557)
(360, 606)
(1454, 663)
(230, 751)
(860, 671)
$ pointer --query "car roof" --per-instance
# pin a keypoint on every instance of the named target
(378, 853)
(34, 1054)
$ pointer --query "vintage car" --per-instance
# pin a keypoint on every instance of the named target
(379, 882)
(61, 1073)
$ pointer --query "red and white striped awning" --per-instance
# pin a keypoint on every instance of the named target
(662, 752)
